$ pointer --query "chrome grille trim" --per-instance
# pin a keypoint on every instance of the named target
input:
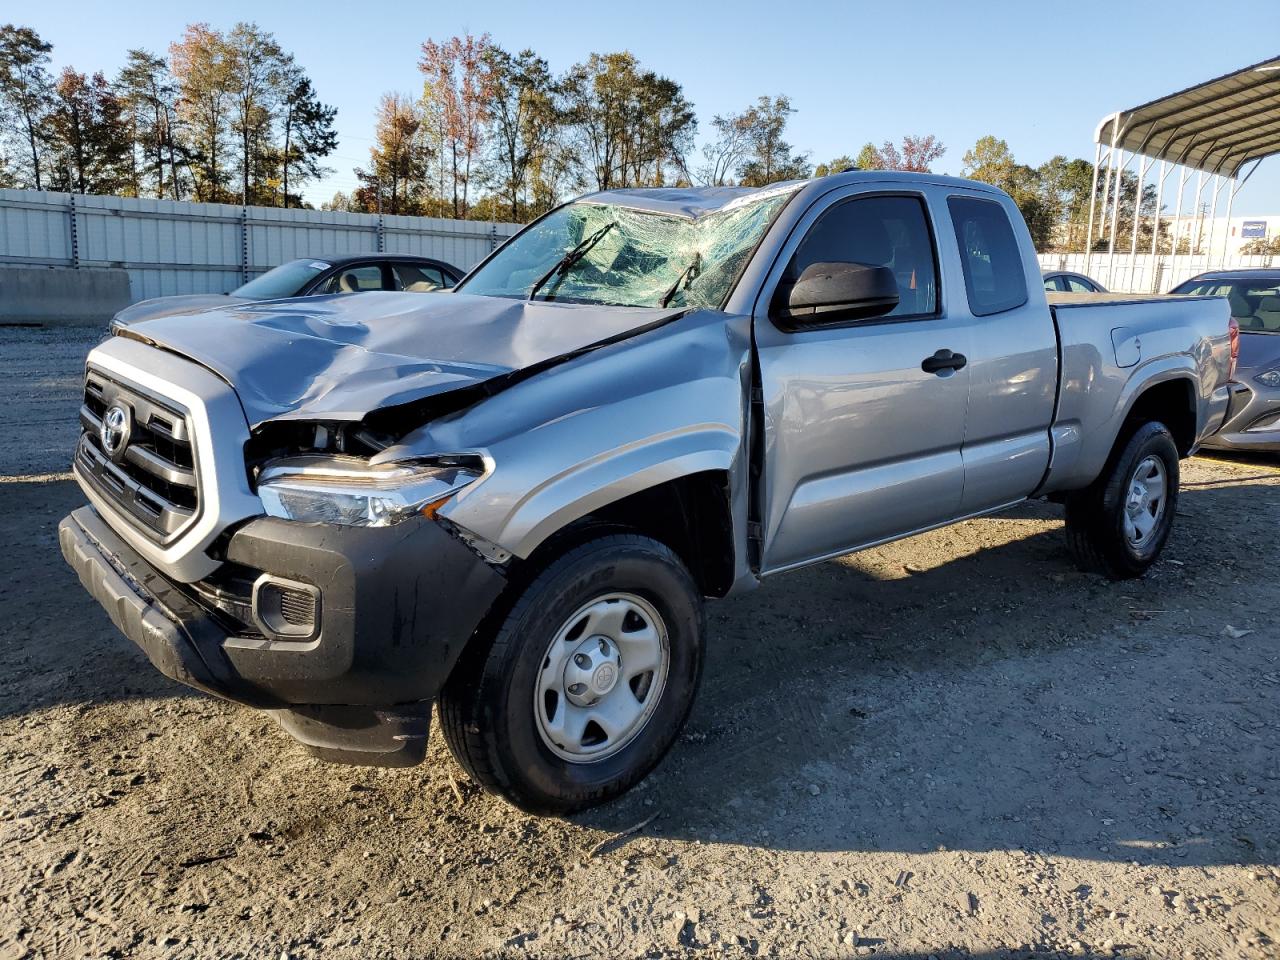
(211, 422)
(155, 486)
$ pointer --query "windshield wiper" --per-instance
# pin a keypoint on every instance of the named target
(690, 272)
(566, 262)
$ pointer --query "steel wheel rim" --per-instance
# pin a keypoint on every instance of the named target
(1146, 495)
(583, 714)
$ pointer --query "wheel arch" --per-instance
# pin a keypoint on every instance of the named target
(1171, 401)
(691, 513)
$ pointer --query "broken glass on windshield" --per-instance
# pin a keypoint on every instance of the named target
(592, 252)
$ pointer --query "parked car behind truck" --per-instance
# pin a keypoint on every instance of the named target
(308, 277)
(1253, 418)
(512, 502)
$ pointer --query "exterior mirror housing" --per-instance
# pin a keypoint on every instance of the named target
(835, 293)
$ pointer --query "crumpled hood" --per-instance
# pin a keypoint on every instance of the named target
(340, 357)
(172, 306)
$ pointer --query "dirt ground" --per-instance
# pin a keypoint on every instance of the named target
(952, 746)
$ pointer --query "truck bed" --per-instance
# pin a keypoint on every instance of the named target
(1111, 342)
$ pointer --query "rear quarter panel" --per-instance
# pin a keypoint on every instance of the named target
(1115, 348)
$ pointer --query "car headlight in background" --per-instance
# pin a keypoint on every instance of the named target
(1269, 379)
(356, 493)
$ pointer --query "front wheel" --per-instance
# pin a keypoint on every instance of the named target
(584, 686)
(1119, 524)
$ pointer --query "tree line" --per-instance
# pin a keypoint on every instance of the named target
(232, 117)
(225, 117)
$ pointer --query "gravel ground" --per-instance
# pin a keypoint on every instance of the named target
(952, 746)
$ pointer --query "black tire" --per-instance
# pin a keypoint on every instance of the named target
(486, 708)
(1096, 515)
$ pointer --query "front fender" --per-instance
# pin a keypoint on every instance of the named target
(578, 437)
(587, 487)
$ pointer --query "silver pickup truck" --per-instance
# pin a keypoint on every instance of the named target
(511, 501)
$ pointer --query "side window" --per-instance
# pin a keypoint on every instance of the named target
(417, 279)
(993, 274)
(1053, 284)
(888, 232)
(354, 280)
(1079, 286)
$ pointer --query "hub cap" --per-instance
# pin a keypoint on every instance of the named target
(601, 678)
(1145, 501)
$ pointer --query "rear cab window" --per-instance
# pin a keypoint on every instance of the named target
(994, 277)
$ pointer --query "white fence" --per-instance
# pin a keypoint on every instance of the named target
(1145, 273)
(170, 247)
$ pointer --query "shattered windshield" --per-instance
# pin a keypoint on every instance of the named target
(589, 252)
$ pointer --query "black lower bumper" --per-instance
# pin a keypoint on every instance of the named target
(397, 606)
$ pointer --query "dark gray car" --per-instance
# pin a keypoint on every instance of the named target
(1065, 281)
(311, 276)
(1253, 420)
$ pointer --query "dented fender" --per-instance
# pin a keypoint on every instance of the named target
(665, 404)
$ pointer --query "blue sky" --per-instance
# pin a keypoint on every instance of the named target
(1039, 75)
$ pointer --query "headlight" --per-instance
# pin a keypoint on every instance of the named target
(1269, 379)
(353, 492)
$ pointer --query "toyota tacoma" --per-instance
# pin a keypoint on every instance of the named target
(508, 504)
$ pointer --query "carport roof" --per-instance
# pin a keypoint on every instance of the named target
(1216, 126)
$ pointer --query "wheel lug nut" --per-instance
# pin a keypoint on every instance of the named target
(582, 660)
(577, 689)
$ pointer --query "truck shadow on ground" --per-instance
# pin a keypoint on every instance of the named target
(918, 697)
(966, 689)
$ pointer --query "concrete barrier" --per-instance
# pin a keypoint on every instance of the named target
(58, 296)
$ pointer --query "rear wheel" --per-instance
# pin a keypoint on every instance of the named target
(1119, 525)
(586, 683)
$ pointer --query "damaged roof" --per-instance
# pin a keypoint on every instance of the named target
(689, 203)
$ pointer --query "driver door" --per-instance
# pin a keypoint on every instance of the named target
(863, 433)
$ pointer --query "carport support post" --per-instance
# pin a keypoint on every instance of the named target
(1155, 230)
(1177, 223)
(1195, 243)
(1093, 200)
(1156, 264)
(1106, 181)
(1213, 215)
(1144, 166)
(1231, 199)
(1119, 163)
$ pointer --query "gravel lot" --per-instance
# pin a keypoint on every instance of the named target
(951, 746)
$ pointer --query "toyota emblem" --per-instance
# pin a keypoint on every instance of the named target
(114, 432)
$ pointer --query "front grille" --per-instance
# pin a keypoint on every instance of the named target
(152, 479)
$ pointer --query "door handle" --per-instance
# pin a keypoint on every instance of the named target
(943, 361)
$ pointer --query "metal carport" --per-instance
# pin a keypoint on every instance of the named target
(1214, 130)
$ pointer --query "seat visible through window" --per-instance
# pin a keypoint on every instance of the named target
(418, 279)
(354, 280)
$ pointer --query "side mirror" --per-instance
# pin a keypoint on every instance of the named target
(835, 293)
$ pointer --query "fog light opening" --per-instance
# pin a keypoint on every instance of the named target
(288, 609)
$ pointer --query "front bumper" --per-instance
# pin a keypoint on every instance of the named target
(396, 607)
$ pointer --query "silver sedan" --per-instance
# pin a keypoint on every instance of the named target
(1253, 419)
